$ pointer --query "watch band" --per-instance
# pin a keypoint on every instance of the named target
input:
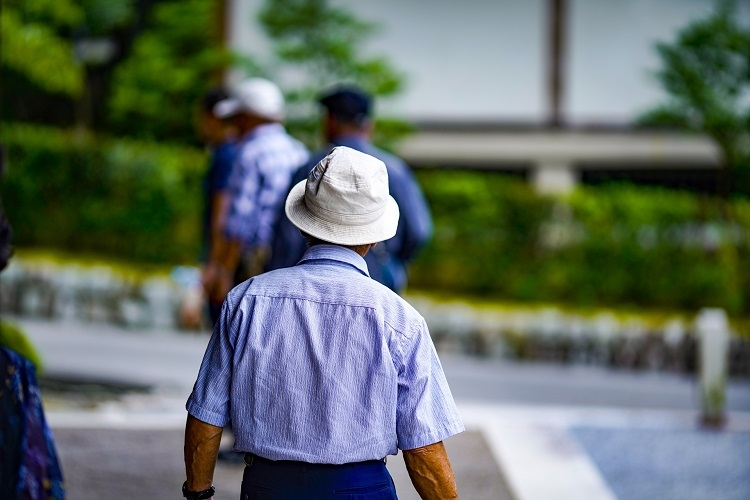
(197, 495)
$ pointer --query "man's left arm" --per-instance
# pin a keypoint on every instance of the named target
(430, 472)
(201, 448)
(415, 221)
(426, 414)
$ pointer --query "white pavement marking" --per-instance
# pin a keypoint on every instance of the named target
(538, 457)
(533, 447)
(115, 420)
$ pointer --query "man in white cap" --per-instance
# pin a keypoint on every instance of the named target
(265, 161)
(322, 370)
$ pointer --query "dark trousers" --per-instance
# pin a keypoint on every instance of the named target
(287, 480)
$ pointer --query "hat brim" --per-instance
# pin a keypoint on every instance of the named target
(382, 229)
(227, 107)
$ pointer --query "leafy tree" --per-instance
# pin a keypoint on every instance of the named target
(50, 73)
(319, 44)
(33, 47)
(101, 17)
(178, 56)
(706, 72)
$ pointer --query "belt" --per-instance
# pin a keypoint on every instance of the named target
(250, 458)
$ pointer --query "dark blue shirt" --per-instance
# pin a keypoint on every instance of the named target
(215, 181)
(387, 261)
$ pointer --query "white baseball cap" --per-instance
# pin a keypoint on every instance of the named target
(256, 96)
(345, 200)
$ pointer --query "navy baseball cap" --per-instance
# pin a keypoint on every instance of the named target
(347, 103)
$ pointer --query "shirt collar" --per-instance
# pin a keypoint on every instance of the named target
(265, 129)
(354, 141)
(337, 253)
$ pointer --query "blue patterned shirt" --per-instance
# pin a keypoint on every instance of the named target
(263, 168)
(29, 467)
(322, 364)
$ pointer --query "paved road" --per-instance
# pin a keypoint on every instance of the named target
(169, 362)
(536, 431)
(124, 464)
(560, 385)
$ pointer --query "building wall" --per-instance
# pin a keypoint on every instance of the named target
(486, 60)
(477, 60)
(612, 56)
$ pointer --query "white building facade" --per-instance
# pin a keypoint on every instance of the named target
(486, 79)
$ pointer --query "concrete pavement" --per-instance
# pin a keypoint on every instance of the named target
(524, 421)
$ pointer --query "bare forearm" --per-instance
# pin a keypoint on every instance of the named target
(431, 473)
(219, 210)
(201, 447)
(218, 277)
(232, 252)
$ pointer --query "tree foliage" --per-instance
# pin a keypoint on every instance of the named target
(101, 17)
(706, 72)
(168, 52)
(326, 43)
(33, 47)
(155, 90)
(318, 45)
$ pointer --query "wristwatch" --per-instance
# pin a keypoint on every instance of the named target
(197, 495)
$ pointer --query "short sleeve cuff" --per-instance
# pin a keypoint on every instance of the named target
(432, 437)
(204, 415)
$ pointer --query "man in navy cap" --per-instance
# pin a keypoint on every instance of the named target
(347, 122)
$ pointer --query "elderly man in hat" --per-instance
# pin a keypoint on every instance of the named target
(265, 160)
(347, 121)
(322, 370)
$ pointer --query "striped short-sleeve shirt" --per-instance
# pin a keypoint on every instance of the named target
(322, 364)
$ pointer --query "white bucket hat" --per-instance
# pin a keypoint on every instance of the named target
(345, 200)
(256, 96)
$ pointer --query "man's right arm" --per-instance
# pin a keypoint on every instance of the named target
(431, 472)
(202, 442)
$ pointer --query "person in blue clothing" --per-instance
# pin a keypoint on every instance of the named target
(265, 160)
(347, 121)
(29, 465)
(323, 371)
(220, 139)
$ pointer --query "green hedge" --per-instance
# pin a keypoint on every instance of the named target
(615, 245)
(135, 200)
(13, 338)
(494, 236)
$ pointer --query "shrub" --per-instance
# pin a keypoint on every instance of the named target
(494, 237)
(614, 245)
(13, 338)
(135, 200)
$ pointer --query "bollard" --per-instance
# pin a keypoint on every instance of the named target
(713, 334)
